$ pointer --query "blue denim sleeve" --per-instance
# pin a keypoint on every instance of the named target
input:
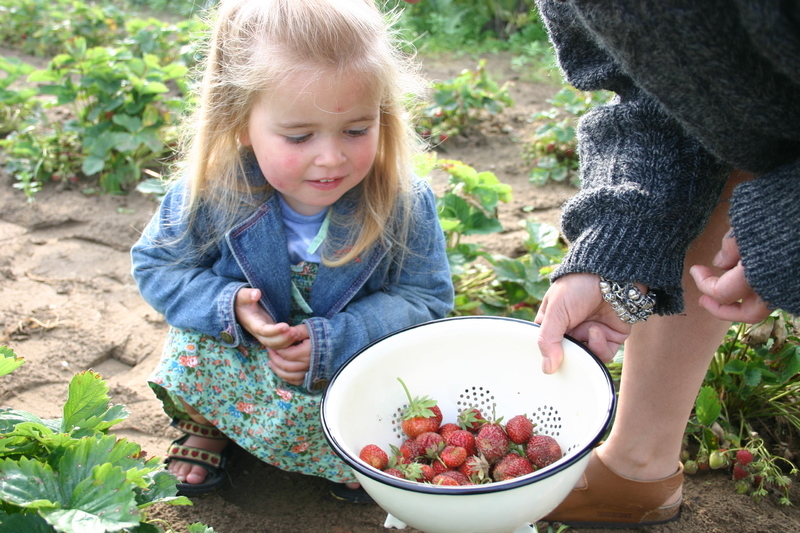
(179, 283)
(421, 291)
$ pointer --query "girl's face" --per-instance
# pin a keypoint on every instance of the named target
(315, 138)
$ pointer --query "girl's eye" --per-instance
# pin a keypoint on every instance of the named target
(357, 133)
(297, 139)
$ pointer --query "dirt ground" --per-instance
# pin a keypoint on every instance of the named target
(68, 303)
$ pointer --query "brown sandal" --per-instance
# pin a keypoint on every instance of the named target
(214, 463)
(611, 501)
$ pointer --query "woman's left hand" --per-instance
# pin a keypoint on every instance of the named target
(729, 296)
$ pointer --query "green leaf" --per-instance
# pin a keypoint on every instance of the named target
(24, 523)
(29, 484)
(9, 361)
(707, 406)
(93, 164)
(87, 404)
(130, 123)
(160, 488)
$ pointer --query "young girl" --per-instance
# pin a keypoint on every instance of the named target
(297, 236)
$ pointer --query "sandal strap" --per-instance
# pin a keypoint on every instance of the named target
(190, 427)
(194, 455)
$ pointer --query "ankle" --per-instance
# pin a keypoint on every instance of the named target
(638, 466)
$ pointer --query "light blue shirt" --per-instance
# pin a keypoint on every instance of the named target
(301, 233)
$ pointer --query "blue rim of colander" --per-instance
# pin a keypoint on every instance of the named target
(414, 486)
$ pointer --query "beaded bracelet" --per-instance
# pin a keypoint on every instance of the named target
(628, 301)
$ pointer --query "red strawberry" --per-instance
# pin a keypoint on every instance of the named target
(430, 444)
(463, 438)
(492, 442)
(476, 468)
(739, 472)
(453, 456)
(374, 456)
(442, 479)
(445, 430)
(439, 467)
(519, 429)
(511, 466)
(422, 415)
(471, 419)
(458, 476)
(410, 450)
(542, 450)
(394, 472)
(744, 457)
(418, 472)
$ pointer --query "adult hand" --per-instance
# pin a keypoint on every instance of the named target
(729, 296)
(255, 319)
(573, 305)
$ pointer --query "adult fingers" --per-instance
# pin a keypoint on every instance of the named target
(551, 333)
(750, 310)
(728, 288)
(728, 255)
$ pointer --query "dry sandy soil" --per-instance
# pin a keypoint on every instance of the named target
(68, 303)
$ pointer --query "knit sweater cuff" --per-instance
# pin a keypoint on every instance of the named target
(651, 254)
(769, 237)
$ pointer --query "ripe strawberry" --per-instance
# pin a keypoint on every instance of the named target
(422, 415)
(476, 468)
(519, 429)
(442, 479)
(463, 438)
(542, 450)
(471, 419)
(445, 430)
(394, 472)
(458, 476)
(492, 442)
(430, 444)
(453, 456)
(511, 466)
(418, 472)
(744, 457)
(439, 467)
(410, 450)
(739, 472)
(374, 456)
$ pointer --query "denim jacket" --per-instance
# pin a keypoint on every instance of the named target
(353, 304)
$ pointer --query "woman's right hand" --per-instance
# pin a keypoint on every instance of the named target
(574, 305)
(255, 319)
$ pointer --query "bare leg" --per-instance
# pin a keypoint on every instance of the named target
(666, 359)
(189, 472)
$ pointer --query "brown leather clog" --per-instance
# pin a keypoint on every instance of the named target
(609, 500)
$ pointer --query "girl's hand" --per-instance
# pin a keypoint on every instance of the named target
(292, 363)
(255, 319)
(729, 296)
(573, 305)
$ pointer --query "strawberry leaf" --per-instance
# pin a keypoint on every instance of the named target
(29, 484)
(87, 405)
(24, 523)
(160, 489)
(9, 360)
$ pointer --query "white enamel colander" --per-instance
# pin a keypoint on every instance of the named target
(489, 362)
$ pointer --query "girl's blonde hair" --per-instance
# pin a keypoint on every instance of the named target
(257, 44)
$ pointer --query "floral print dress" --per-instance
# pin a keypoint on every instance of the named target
(239, 394)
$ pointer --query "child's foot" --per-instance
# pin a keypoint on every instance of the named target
(191, 473)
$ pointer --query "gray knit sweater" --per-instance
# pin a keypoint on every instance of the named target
(702, 87)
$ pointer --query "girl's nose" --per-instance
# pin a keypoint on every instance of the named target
(330, 155)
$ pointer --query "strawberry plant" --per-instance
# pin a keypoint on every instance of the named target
(460, 104)
(69, 475)
(124, 112)
(41, 27)
(552, 151)
(15, 105)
